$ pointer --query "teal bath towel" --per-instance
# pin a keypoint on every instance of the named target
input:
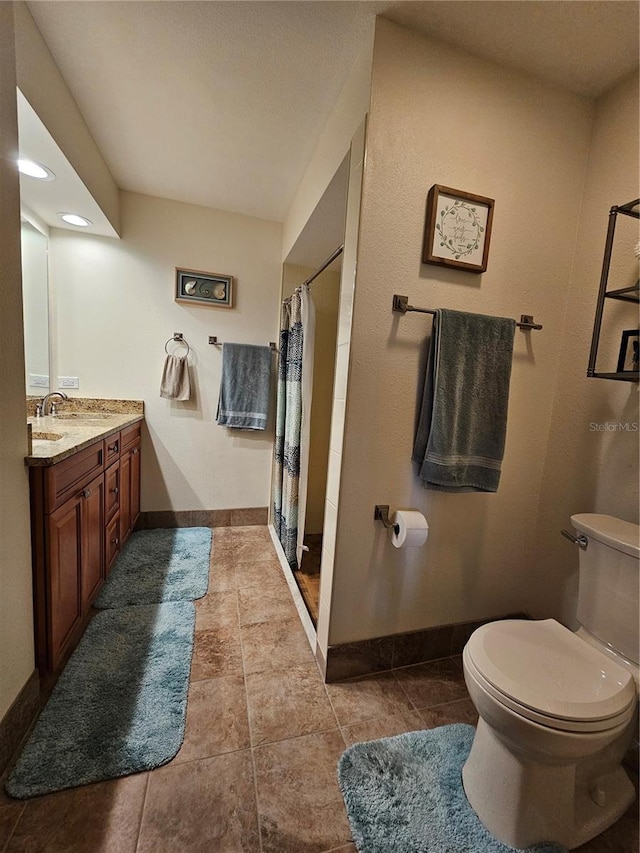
(245, 386)
(461, 430)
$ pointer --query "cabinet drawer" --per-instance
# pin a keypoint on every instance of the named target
(112, 490)
(63, 479)
(112, 446)
(130, 435)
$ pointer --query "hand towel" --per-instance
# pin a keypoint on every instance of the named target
(245, 386)
(461, 431)
(175, 384)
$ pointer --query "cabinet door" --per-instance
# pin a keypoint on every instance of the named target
(64, 534)
(125, 496)
(129, 490)
(134, 493)
(93, 540)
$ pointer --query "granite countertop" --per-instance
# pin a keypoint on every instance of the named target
(78, 429)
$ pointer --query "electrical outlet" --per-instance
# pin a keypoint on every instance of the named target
(68, 382)
(38, 381)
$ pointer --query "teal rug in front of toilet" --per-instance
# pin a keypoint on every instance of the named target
(404, 794)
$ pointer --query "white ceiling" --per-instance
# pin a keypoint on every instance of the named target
(221, 103)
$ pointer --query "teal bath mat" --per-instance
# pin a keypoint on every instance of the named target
(119, 706)
(404, 794)
(159, 565)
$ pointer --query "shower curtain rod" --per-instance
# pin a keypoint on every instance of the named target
(323, 266)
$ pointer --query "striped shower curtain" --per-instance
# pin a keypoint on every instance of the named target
(295, 374)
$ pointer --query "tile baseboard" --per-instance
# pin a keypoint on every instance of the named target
(243, 517)
(16, 722)
(349, 660)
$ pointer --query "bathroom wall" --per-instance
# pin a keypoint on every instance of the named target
(115, 310)
(591, 462)
(325, 291)
(345, 119)
(439, 115)
(16, 622)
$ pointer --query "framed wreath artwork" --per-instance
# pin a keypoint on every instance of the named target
(457, 229)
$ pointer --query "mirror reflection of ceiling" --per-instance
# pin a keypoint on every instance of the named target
(65, 194)
(223, 103)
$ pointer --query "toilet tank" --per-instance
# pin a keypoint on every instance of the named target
(608, 591)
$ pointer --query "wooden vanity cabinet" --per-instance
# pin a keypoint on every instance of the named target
(77, 533)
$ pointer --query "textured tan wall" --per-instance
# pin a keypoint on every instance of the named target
(439, 115)
(588, 470)
(16, 609)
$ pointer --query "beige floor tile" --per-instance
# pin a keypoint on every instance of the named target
(299, 803)
(462, 711)
(222, 575)
(201, 807)
(253, 533)
(248, 550)
(261, 573)
(217, 610)
(216, 719)
(10, 811)
(396, 724)
(267, 604)
(367, 698)
(102, 818)
(216, 652)
(274, 645)
(287, 703)
(433, 683)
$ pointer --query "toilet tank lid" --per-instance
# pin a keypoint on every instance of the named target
(621, 535)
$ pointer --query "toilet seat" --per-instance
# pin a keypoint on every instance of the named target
(547, 674)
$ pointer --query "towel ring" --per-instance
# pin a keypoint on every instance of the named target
(177, 338)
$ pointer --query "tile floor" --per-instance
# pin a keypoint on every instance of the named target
(257, 771)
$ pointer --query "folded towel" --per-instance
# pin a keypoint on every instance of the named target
(461, 430)
(245, 386)
(175, 383)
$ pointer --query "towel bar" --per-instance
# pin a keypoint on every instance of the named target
(213, 340)
(401, 305)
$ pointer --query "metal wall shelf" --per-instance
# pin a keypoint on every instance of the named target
(624, 294)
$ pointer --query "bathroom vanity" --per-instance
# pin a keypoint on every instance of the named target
(84, 475)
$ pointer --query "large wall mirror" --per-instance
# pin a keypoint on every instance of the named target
(35, 295)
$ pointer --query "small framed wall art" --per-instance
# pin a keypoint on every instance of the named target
(204, 288)
(457, 229)
(628, 356)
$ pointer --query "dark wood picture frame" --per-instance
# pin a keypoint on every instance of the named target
(204, 288)
(628, 355)
(457, 226)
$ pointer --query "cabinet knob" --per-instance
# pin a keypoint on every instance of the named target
(134, 451)
(86, 493)
(112, 448)
(115, 541)
(115, 490)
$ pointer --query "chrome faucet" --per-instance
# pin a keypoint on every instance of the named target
(46, 399)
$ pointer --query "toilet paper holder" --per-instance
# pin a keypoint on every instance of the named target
(381, 513)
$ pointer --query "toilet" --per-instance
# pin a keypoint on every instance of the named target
(558, 708)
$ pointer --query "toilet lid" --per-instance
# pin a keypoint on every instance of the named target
(544, 666)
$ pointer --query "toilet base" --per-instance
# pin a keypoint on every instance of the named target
(522, 801)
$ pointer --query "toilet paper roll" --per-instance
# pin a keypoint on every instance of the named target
(412, 529)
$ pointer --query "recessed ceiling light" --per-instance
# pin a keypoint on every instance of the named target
(35, 170)
(74, 219)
